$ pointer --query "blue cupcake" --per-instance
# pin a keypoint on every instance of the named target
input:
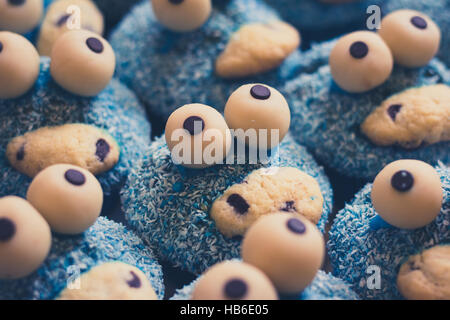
(59, 111)
(105, 262)
(172, 54)
(374, 241)
(360, 112)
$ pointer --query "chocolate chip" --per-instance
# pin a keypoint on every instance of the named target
(419, 22)
(135, 282)
(102, 149)
(296, 226)
(95, 45)
(7, 229)
(194, 125)
(16, 2)
(63, 19)
(235, 289)
(1, 46)
(75, 177)
(238, 203)
(393, 110)
(359, 50)
(176, 2)
(260, 92)
(402, 181)
(289, 206)
(20, 155)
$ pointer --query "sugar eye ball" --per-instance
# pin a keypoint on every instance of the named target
(20, 16)
(360, 61)
(182, 15)
(198, 136)
(287, 248)
(25, 238)
(70, 198)
(262, 108)
(407, 194)
(19, 65)
(82, 62)
(234, 280)
(412, 36)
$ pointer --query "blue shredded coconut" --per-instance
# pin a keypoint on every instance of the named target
(105, 241)
(176, 221)
(116, 110)
(354, 246)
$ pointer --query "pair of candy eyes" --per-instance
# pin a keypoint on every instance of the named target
(195, 125)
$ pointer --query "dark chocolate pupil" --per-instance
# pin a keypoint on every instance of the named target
(63, 19)
(296, 226)
(95, 45)
(289, 206)
(402, 181)
(235, 289)
(260, 92)
(21, 153)
(359, 50)
(75, 177)
(419, 22)
(1, 46)
(393, 110)
(238, 203)
(17, 2)
(194, 125)
(135, 282)
(176, 2)
(102, 149)
(7, 229)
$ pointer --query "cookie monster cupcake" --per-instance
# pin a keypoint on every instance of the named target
(361, 112)
(85, 257)
(66, 110)
(297, 246)
(392, 241)
(196, 212)
(171, 53)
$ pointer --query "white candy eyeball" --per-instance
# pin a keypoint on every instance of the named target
(198, 136)
(70, 198)
(20, 16)
(262, 108)
(360, 61)
(407, 194)
(82, 62)
(234, 280)
(182, 15)
(412, 36)
(25, 238)
(19, 65)
(289, 249)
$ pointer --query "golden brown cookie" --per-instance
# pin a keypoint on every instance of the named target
(426, 276)
(234, 280)
(66, 15)
(256, 48)
(407, 194)
(79, 144)
(263, 192)
(111, 281)
(411, 118)
(25, 238)
(20, 16)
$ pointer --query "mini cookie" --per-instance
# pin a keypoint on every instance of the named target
(70, 198)
(78, 144)
(257, 48)
(259, 107)
(20, 16)
(111, 281)
(66, 15)
(425, 276)
(181, 211)
(233, 280)
(19, 65)
(24, 238)
(411, 118)
(369, 256)
(265, 191)
(82, 62)
(105, 254)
